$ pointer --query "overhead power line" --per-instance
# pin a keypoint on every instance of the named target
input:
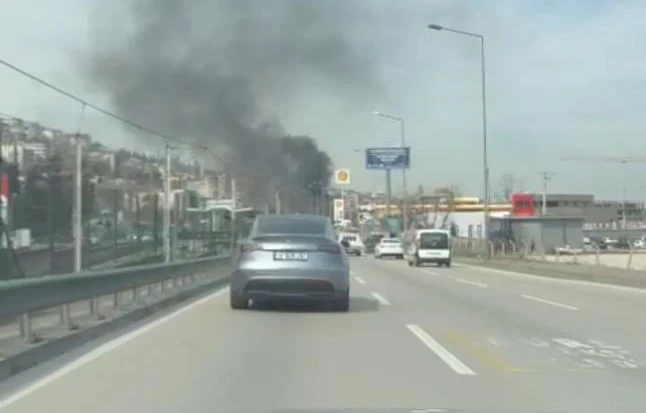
(115, 116)
(89, 104)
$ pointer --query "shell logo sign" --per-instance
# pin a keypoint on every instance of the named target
(342, 176)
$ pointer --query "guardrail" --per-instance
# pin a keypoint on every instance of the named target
(23, 299)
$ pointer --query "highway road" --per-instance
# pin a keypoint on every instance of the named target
(458, 339)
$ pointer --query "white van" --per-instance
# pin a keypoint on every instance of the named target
(429, 245)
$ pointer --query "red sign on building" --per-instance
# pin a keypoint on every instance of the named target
(523, 205)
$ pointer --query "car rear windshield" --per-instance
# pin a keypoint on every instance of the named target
(349, 238)
(291, 226)
(434, 240)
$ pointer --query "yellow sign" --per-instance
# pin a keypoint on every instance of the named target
(342, 176)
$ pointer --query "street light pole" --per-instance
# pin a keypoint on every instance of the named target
(623, 209)
(402, 131)
(404, 183)
(78, 207)
(484, 119)
(545, 176)
(167, 189)
(234, 206)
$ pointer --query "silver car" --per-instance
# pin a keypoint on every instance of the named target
(291, 257)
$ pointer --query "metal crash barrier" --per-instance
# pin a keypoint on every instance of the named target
(26, 299)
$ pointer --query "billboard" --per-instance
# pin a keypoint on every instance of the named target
(388, 158)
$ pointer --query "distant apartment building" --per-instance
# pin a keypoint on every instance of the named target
(24, 154)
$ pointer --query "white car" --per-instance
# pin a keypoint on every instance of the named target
(355, 245)
(389, 247)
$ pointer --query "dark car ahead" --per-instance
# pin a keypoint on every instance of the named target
(291, 257)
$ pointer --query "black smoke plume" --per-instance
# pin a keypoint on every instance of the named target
(209, 71)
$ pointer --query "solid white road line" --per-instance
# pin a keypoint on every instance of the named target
(382, 300)
(554, 303)
(102, 350)
(477, 284)
(428, 410)
(539, 278)
(360, 280)
(444, 354)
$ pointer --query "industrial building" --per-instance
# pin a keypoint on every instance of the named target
(597, 214)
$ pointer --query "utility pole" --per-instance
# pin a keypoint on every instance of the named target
(546, 176)
(234, 195)
(137, 218)
(78, 206)
(623, 209)
(50, 218)
(115, 222)
(404, 182)
(277, 199)
(166, 231)
(388, 193)
(155, 222)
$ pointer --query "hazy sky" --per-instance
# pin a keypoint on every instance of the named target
(564, 78)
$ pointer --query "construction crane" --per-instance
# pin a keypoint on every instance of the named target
(609, 159)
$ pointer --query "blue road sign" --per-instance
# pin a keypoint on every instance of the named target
(388, 158)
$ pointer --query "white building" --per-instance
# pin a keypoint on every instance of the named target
(467, 223)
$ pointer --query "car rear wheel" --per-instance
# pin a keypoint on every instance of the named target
(417, 262)
(238, 302)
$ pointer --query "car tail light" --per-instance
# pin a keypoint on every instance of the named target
(331, 248)
(250, 247)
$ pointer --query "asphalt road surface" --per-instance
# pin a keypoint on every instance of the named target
(418, 340)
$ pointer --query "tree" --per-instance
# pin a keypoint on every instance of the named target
(32, 206)
(447, 195)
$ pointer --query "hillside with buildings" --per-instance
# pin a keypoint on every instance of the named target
(120, 186)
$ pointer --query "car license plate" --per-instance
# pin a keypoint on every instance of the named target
(290, 256)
